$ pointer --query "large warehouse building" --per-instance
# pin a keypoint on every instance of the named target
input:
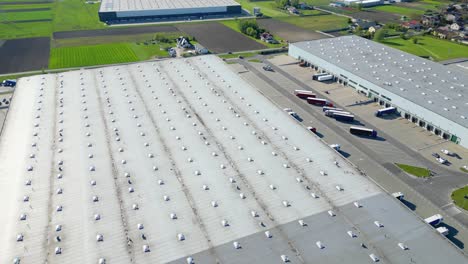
(429, 94)
(182, 161)
(112, 10)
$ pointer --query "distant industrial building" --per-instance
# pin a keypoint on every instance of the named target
(115, 10)
(183, 161)
(362, 3)
(429, 94)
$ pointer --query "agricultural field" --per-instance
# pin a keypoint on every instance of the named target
(428, 46)
(234, 25)
(62, 15)
(25, 16)
(322, 22)
(68, 57)
(400, 10)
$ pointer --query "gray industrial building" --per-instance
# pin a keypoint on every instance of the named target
(114, 10)
(183, 161)
(429, 94)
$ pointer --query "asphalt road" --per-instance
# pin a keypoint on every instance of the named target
(426, 197)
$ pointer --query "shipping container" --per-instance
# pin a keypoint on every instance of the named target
(385, 111)
(303, 94)
(344, 117)
(434, 220)
(362, 131)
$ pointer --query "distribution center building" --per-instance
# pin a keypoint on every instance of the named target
(112, 10)
(183, 161)
(427, 93)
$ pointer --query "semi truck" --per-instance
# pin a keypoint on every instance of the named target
(303, 94)
(324, 78)
(325, 108)
(318, 101)
(362, 131)
(398, 195)
(434, 220)
(344, 117)
(315, 76)
(385, 111)
(331, 113)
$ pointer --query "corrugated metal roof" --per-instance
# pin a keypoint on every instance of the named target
(127, 5)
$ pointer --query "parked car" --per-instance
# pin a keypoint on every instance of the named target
(267, 68)
(442, 160)
(446, 152)
(312, 129)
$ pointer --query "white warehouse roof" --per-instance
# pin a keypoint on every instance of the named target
(182, 160)
(130, 5)
(428, 84)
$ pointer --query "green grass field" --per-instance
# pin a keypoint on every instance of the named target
(325, 22)
(413, 170)
(400, 10)
(17, 16)
(427, 46)
(65, 14)
(67, 57)
(460, 197)
(90, 55)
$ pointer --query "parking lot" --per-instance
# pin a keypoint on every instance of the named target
(408, 133)
(374, 157)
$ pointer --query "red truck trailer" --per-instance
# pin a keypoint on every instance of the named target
(303, 94)
(318, 101)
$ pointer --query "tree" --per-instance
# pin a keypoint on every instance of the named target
(415, 40)
(380, 35)
(251, 32)
(294, 3)
(281, 3)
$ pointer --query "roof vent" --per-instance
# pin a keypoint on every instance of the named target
(402, 246)
(268, 234)
(284, 258)
(374, 257)
(319, 244)
(285, 203)
(236, 245)
(302, 223)
(351, 234)
(331, 213)
(214, 203)
(314, 195)
(378, 224)
(224, 223)
(180, 237)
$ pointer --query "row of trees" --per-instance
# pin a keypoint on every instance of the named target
(283, 3)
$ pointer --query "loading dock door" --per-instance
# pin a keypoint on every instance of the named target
(454, 139)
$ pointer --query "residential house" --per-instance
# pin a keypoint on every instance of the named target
(431, 20)
(455, 27)
(413, 24)
(373, 29)
(365, 25)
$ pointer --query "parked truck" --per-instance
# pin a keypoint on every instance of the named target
(324, 78)
(442, 230)
(325, 108)
(8, 83)
(318, 101)
(385, 111)
(363, 131)
(344, 117)
(398, 195)
(331, 113)
(315, 76)
(434, 220)
(303, 94)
